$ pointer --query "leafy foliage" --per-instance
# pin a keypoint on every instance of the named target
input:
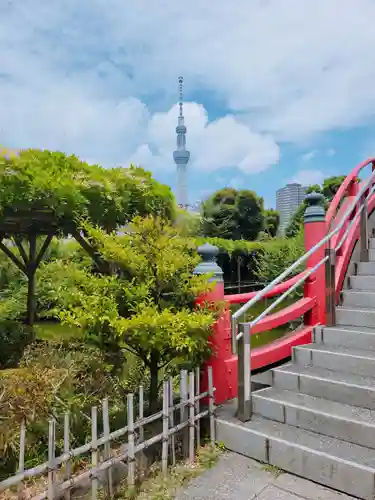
(278, 256)
(45, 193)
(331, 186)
(233, 214)
(51, 380)
(35, 183)
(329, 189)
(271, 221)
(148, 306)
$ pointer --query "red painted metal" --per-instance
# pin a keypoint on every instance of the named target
(290, 313)
(241, 298)
(220, 344)
(316, 283)
(346, 187)
(312, 305)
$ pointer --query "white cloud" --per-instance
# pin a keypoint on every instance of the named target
(214, 145)
(308, 156)
(75, 75)
(308, 177)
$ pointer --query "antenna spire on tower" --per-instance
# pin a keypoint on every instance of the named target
(181, 88)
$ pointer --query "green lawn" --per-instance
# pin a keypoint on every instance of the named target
(269, 336)
(52, 331)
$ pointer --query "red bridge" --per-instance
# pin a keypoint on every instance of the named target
(322, 404)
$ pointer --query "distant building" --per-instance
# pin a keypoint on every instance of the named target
(288, 200)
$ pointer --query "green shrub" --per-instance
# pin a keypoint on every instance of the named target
(50, 381)
(277, 256)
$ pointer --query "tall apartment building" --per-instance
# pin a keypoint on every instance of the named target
(288, 200)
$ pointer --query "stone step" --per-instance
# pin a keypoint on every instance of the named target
(348, 336)
(355, 316)
(358, 298)
(349, 423)
(336, 358)
(332, 462)
(337, 386)
(362, 282)
(366, 268)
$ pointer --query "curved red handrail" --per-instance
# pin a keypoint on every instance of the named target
(343, 189)
(287, 314)
(241, 298)
(281, 348)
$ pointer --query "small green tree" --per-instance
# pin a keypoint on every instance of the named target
(277, 256)
(233, 214)
(147, 307)
(331, 185)
(271, 221)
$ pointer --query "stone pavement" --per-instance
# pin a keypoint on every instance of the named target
(236, 477)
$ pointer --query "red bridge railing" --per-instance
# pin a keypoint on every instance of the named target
(329, 243)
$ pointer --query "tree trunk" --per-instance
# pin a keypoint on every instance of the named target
(31, 271)
(31, 301)
(154, 383)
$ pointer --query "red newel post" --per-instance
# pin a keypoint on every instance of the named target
(315, 231)
(220, 339)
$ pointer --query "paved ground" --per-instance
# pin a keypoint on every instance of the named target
(239, 478)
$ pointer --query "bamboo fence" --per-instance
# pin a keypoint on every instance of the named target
(58, 469)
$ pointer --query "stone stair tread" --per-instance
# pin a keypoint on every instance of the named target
(339, 350)
(351, 328)
(356, 308)
(335, 448)
(319, 405)
(322, 373)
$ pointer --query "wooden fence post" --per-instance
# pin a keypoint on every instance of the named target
(141, 432)
(131, 453)
(94, 452)
(211, 406)
(21, 462)
(51, 458)
(197, 405)
(165, 443)
(67, 471)
(171, 420)
(191, 417)
(183, 411)
(107, 447)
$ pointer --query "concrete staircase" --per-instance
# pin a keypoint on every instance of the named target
(317, 420)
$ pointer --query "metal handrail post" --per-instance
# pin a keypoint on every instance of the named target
(244, 374)
(364, 239)
(330, 274)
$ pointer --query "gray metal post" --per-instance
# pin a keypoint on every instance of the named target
(330, 272)
(244, 374)
(364, 241)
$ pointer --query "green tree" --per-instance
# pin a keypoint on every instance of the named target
(329, 189)
(44, 193)
(148, 306)
(271, 221)
(331, 186)
(233, 214)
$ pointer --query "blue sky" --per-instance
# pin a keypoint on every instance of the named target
(275, 90)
